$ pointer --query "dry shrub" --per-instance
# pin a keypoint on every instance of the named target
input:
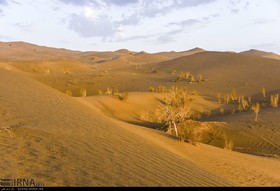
(122, 96)
(109, 91)
(151, 89)
(83, 92)
(222, 111)
(274, 100)
(256, 108)
(233, 95)
(228, 143)
(264, 93)
(219, 98)
(66, 71)
(68, 92)
(190, 131)
(162, 89)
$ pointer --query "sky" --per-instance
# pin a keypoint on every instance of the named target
(143, 25)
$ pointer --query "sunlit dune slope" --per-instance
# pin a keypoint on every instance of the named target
(59, 141)
(261, 54)
(225, 71)
(242, 169)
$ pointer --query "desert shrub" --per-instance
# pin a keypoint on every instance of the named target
(199, 78)
(233, 95)
(175, 109)
(187, 132)
(83, 92)
(115, 92)
(274, 100)
(122, 96)
(192, 79)
(207, 112)
(264, 93)
(47, 71)
(239, 107)
(245, 103)
(219, 98)
(162, 89)
(100, 92)
(222, 111)
(11, 134)
(66, 71)
(151, 89)
(250, 100)
(228, 143)
(256, 108)
(187, 75)
(109, 91)
(178, 79)
(68, 92)
(227, 99)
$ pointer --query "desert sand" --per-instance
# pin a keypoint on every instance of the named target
(53, 134)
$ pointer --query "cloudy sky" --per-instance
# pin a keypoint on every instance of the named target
(149, 25)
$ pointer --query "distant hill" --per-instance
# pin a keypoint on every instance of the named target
(261, 53)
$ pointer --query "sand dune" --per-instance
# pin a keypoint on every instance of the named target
(99, 140)
(261, 54)
(242, 169)
(12, 51)
(61, 142)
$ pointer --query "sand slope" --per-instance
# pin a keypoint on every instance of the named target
(58, 141)
(242, 169)
(261, 54)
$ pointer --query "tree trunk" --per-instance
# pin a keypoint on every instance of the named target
(175, 128)
(256, 119)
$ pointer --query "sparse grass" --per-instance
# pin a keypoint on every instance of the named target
(274, 100)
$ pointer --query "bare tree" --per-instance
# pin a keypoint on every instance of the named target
(176, 109)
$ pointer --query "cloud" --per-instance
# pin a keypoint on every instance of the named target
(187, 22)
(100, 27)
(3, 2)
(121, 2)
(23, 26)
(264, 21)
(96, 22)
(132, 19)
(99, 3)
(164, 39)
